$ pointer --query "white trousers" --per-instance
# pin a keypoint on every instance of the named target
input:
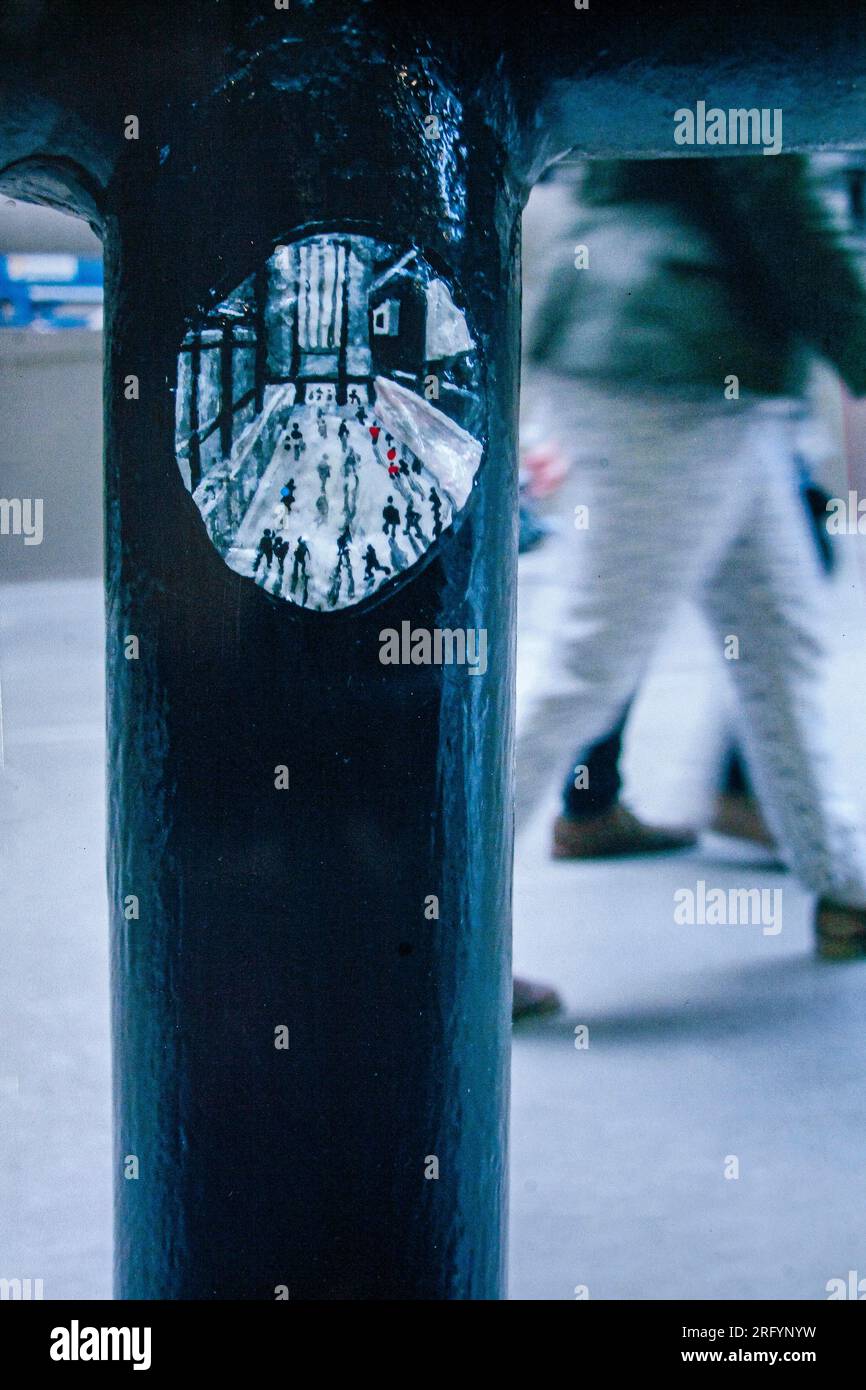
(691, 496)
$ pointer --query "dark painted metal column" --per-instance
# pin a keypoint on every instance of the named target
(311, 1168)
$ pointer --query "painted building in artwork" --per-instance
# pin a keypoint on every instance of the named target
(397, 303)
(327, 315)
(317, 325)
(342, 311)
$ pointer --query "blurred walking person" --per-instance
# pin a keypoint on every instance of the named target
(674, 364)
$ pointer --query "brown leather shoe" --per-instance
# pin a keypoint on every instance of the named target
(533, 1001)
(615, 832)
(740, 817)
(840, 932)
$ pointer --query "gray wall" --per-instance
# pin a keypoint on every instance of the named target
(51, 417)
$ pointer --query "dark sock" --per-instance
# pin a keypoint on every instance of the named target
(735, 780)
(600, 783)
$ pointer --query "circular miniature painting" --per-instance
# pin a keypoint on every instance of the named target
(329, 419)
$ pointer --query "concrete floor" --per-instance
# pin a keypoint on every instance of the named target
(55, 1191)
(705, 1042)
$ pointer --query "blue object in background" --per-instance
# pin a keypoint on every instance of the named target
(49, 292)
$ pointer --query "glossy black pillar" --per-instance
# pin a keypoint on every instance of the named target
(308, 1168)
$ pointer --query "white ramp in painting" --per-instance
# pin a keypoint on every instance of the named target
(447, 450)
